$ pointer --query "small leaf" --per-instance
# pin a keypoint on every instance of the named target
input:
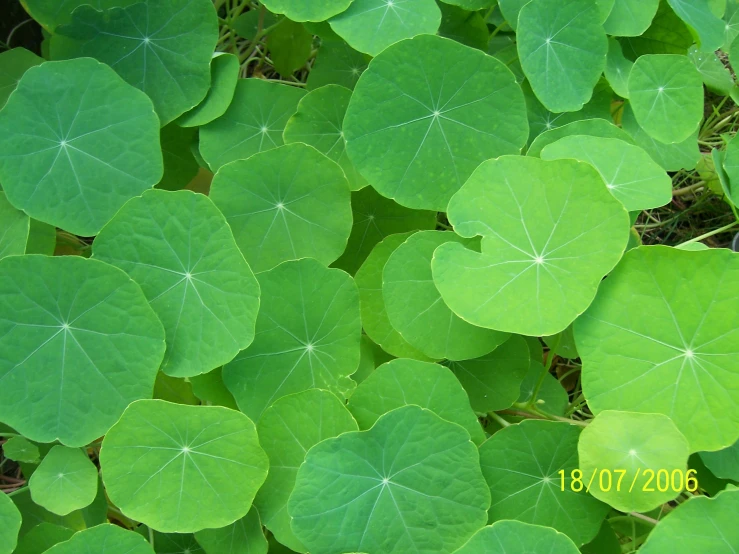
(337, 64)
(65, 481)
(716, 76)
(19, 449)
(10, 524)
(224, 74)
(290, 45)
(618, 68)
(180, 166)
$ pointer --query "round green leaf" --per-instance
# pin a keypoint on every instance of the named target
(103, 539)
(66, 480)
(370, 26)
(402, 382)
(319, 123)
(13, 64)
(551, 231)
(15, 227)
(287, 430)
(415, 307)
(623, 447)
(78, 338)
(10, 524)
(70, 158)
(19, 449)
(307, 10)
(180, 249)
(522, 465)
(618, 68)
(563, 50)
(722, 463)
(631, 175)
(180, 469)
(425, 113)
(630, 18)
(254, 122)
(493, 381)
(224, 74)
(588, 127)
(308, 334)
(244, 536)
(287, 203)
(515, 537)
(715, 74)
(698, 15)
(412, 483)
(160, 46)
(666, 93)
(701, 524)
(659, 340)
(337, 64)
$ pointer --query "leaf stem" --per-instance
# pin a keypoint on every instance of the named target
(711, 233)
(545, 371)
(503, 423)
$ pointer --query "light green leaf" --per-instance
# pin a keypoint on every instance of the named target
(42, 537)
(563, 344)
(337, 64)
(19, 449)
(290, 45)
(698, 15)
(180, 249)
(180, 166)
(162, 47)
(589, 127)
(180, 469)
(287, 430)
(15, 227)
(224, 74)
(253, 122)
(308, 334)
(73, 159)
(287, 203)
(370, 26)
(211, 389)
(471, 5)
(715, 74)
(522, 465)
(618, 68)
(658, 340)
(415, 307)
(244, 536)
(514, 537)
(722, 463)
(103, 539)
(630, 18)
(13, 64)
(412, 483)
(563, 50)
(66, 480)
(78, 337)
(667, 34)
(307, 10)
(551, 231)
(510, 10)
(370, 357)
(51, 13)
(10, 524)
(425, 113)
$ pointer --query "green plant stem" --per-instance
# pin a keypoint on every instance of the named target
(151, 537)
(17, 491)
(500, 420)
(689, 189)
(523, 409)
(711, 233)
(9, 435)
(547, 368)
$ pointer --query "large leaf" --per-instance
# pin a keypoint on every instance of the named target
(66, 480)
(630, 18)
(244, 536)
(515, 537)
(13, 64)
(103, 539)
(307, 10)
(15, 227)
(10, 524)
(70, 158)
(698, 14)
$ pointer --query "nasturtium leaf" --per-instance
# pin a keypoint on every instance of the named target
(10, 524)
(287, 430)
(619, 451)
(173, 543)
(562, 47)
(589, 127)
(697, 14)
(51, 13)
(715, 74)
(66, 480)
(425, 113)
(729, 177)
(471, 5)
(666, 93)
(13, 64)
(290, 45)
(307, 10)
(522, 465)
(369, 359)
(308, 334)
(659, 340)
(162, 47)
(33, 515)
(630, 18)
(493, 381)
(211, 390)
(180, 469)
(246, 25)
(516, 537)
(42, 537)
(510, 10)
(319, 123)
(402, 382)
(375, 320)
(667, 34)
(337, 64)
(411, 483)
(244, 536)
(287, 203)
(253, 122)
(370, 26)
(700, 524)
(224, 74)
(631, 175)
(551, 231)
(180, 166)
(41, 238)
(722, 463)
(103, 539)
(70, 158)
(731, 31)
(466, 28)
(618, 68)
(415, 307)
(174, 389)
(552, 397)
(19, 449)
(14, 229)
(180, 249)
(79, 343)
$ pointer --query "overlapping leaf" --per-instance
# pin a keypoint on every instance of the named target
(66, 480)
(103, 539)
(513, 537)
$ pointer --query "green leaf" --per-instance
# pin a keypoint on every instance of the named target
(337, 64)
(13, 64)
(722, 463)
(103, 539)
(618, 68)
(728, 160)
(246, 25)
(667, 34)
(42, 537)
(412, 483)
(415, 307)
(425, 113)
(174, 389)
(716, 76)
(308, 334)
(180, 249)
(180, 469)
(371, 26)
(253, 122)
(552, 398)
(631, 175)
(302, 10)
(174, 543)
(15, 227)
(65, 481)
(244, 536)
(471, 5)
(287, 430)
(41, 238)
(370, 356)
(563, 49)
(588, 127)
(605, 542)
(630, 18)
(615, 445)
(511, 537)
(10, 524)
(319, 123)
(658, 340)
(52, 13)
(290, 45)
(493, 380)
(33, 514)
(77, 337)
(551, 231)
(73, 159)
(180, 166)
(160, 46)
(468, 28)
(697, 14)
(699, 525)
(522, 465)
(511, 10)
(224, 74)
(666, 93)
(287, 203)
(211, 389)
(19, 449)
